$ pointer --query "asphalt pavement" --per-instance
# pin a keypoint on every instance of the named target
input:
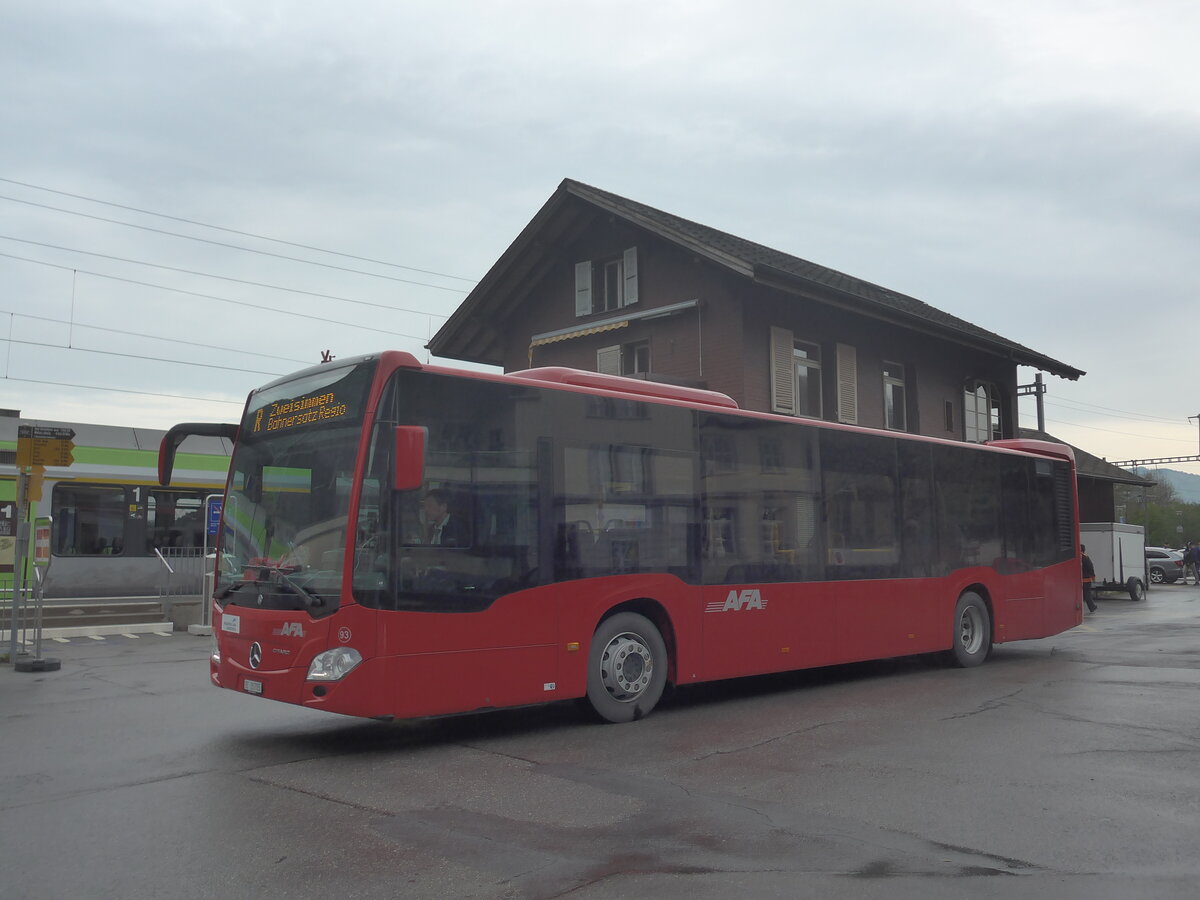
(1067, 767)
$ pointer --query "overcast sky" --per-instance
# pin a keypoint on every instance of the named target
(1032, 166)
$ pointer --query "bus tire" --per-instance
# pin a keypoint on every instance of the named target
(972, 631)
(1137, 590)
(627, 668)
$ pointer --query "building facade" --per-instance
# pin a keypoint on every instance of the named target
(603, 283)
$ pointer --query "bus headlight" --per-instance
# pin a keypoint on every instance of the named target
(333, 665)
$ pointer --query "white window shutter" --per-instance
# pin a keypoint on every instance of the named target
(783, 372)
(583, 288)
(608, 360)
(629, 264)
(976, 415)
(847, 384)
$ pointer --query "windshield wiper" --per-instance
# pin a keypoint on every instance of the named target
(269, 573)
(311, 598)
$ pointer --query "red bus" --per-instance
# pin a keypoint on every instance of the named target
(404, 540)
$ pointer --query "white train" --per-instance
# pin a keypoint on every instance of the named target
(113, 524)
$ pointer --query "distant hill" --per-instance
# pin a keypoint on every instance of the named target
(1186, 485)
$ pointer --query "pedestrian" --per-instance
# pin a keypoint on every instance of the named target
(1089, 576)
(1191, 562)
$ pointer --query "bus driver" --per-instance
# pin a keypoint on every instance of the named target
(440, 527)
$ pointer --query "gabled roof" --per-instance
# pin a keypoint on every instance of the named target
(474, 331)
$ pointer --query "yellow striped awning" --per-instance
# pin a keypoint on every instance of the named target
(579, 332)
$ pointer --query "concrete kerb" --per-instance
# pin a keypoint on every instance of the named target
(162, 629)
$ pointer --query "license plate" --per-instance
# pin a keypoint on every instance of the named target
(252, 687)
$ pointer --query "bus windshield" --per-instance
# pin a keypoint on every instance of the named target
(287, 505)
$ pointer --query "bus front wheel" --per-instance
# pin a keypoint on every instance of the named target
(972, 631)
(627, 668)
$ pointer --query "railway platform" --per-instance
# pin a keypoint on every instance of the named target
(73, 617)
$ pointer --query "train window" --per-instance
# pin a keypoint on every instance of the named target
(174, 519)
(120, 520)
(89, 520)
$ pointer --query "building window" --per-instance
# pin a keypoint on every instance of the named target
(624, 359)
(611, 288)
(981, 413)
(795, 375)
(807, 362)
(894, 397)
(949, 412)
(606, 285)
(635, 358)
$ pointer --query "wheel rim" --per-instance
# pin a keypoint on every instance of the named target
(1156, 575)
(970, 630)
(626, 667)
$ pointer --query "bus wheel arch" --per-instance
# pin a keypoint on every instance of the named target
(971, 629)
(628, 664)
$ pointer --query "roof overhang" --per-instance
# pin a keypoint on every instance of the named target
(772, 277)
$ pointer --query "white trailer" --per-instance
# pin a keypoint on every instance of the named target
(1118, 553)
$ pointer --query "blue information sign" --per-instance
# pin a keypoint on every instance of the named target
(214, 514)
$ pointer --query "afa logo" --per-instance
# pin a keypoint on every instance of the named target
(290, 629)
(737, 601)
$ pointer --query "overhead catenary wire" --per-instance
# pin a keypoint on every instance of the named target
(180, 270)
(1076, 406)
(1125, 433)
(228, 246)
(140, 357)
(274, 310)
(151, 337)
(94, 387)
(224, 229)
(245, 303)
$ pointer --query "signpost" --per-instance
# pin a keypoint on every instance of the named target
(43, 445)
(41, 565)
(38, 446)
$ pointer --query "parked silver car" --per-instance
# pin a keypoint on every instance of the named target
(1163, 565)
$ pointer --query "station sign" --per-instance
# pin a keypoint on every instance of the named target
(42, 445)
(214, 514)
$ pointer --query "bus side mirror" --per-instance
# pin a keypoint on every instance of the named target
(409, 473)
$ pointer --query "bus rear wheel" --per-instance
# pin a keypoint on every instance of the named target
(627, 668)
(972, 631)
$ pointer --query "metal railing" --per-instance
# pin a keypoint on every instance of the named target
(183, 571)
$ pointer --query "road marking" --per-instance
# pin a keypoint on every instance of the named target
(132, 637)
(96, 637)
